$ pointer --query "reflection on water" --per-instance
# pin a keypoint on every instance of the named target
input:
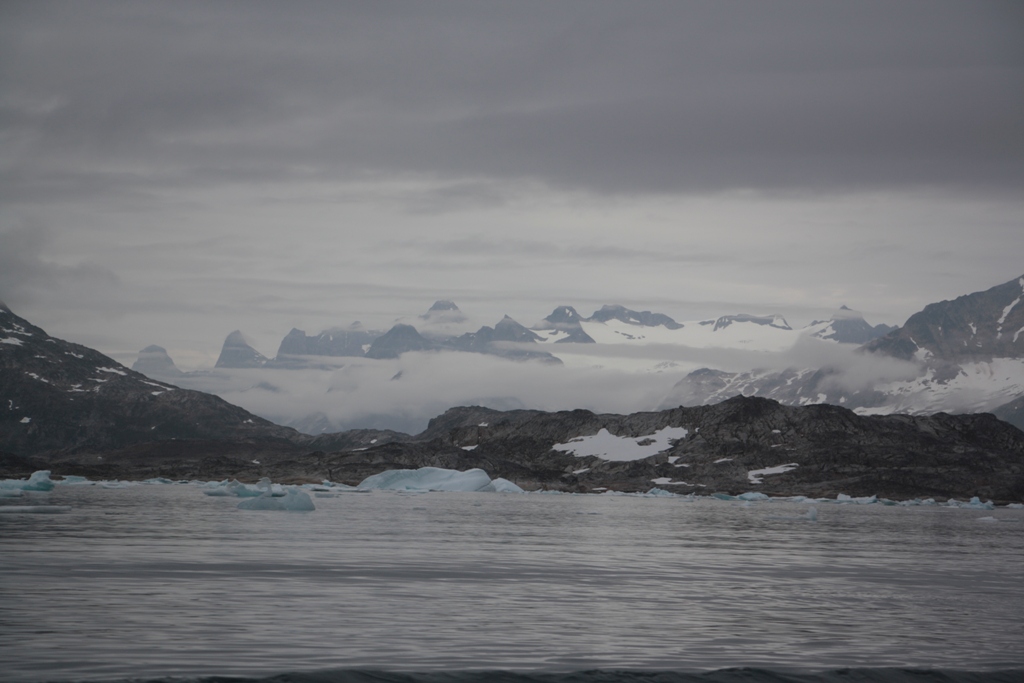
(162, 580)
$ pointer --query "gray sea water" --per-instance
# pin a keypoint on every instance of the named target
(152, 581)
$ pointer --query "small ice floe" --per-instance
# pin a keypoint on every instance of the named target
(1016, 506)
(987, 519)
(223, 489)
(469, 448)
(39, 481)
(157, 480)
(660, 493)
(26, 420)
(73, 480)
(34, 509)
(437, 479)
(973, 504)
(810, 516)
(864, 500)
(293, 500)
(752, 495)
(10, 493)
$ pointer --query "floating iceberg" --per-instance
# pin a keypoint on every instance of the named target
(974, 504)
(505, 486)
(752, 495)
(293, 500)
(865, 500)
(237, 489)
(39, 481)
(74, 480)
(437, 479)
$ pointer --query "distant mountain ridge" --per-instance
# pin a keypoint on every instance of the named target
(968, 354)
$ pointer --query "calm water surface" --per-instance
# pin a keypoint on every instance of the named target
(161, 580)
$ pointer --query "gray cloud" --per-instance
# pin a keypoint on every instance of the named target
(605, 97)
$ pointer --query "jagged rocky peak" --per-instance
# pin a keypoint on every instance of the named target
(626, 315)
(1012, 412)
(981, 325)
(444, 311)
(154, 361)
(508, 329)
(564, 315)
(444, 305)
(337, 341)
(563, 326)
(776, 321)
(398, 340)
(847, 326)
(237, 353)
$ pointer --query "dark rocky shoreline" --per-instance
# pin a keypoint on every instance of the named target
(834, 450)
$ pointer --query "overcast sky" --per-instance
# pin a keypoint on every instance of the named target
(170, 172)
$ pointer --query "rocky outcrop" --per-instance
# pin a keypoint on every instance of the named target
(237, 353)
(1012, 412)
(153, 361)
(848, 327)
(341, 342)
(977, 326)
(625, 315)
(565, 321)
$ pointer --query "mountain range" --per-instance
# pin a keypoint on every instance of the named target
(75, 411)
(955, 356)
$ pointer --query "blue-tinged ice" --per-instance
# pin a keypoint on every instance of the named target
(429, 479)
(39, 481)
(660, 493)
(293, 500)
(10, 493)
(73, 480)
(505, 486)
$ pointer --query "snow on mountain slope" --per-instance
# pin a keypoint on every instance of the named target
(980, 386)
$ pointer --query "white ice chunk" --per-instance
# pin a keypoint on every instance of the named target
(987, 519)
(752, 495)
(622, 449)
(294, 500)
(469, 448)
(26, 420)
(429, 479)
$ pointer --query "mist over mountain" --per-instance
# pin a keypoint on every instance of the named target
(964, 355)
(620, 359)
